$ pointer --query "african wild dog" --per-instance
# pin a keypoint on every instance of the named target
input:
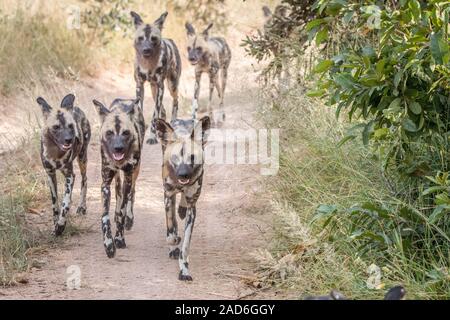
(121, 137)
(157, 59)
(183, 144)
(208, 55)
(65, 136)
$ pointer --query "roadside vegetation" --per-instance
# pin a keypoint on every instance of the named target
(363, 187)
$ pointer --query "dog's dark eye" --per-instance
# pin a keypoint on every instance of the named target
(140, 38)
(109, 133)
(126, 133)
(70, 126)
(199, 49)
(56, 127)
(154, 39)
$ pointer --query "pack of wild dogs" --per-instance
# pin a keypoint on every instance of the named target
(66, 135)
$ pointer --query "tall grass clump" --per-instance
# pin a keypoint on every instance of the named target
(339, 194)
(21, 188)
(37, 47)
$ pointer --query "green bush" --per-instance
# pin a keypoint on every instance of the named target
(398, 80)
(384, 65)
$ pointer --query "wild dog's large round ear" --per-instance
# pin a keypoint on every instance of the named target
(189, 29)
(44, 106)
(137, 20)
(130, 108)
(101, 109)
(266, 11)
(205, 32)
(164, 131)
(67, 102)
(201, 129)
(160, 21)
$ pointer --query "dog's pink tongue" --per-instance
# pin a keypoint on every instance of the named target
(118, 156)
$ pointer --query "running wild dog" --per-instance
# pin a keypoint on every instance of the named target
(209, 55)
(157, 60)
(65, 136)
(121, 137)
(183, 144)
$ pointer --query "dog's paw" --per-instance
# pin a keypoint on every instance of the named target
(110, 249)
(128, 223)
(81, 211)
(184, 277)
(120, 243)
(152, 141)
(174, 254)
(182, 212)
(59, 229)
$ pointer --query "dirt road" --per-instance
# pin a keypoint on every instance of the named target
(228, 225)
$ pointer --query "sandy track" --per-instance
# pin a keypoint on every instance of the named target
(226, 230)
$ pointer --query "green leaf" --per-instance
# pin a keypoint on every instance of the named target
(414, 5)
(415, 107)
(381, 133)
(321, 36)
(316, 93)
(397, 78)
(344, 140)
(323, 66)
(433, 190)
(314, 23)
(380, 67)
(344, 80)
(395, 104)
(348, 17)
(323, 211)
(409, 125)
(438, 212)
(439, 47)
(368, 129)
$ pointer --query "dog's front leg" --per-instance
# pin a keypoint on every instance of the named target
(198, 77)
(172, 226)
(183, 260)
(159, 112)
(212, 84)
(52, 184)
(119, 238)
(67, 199)
(82, 163)
(140, 91)
(107, 176)
(129, 217)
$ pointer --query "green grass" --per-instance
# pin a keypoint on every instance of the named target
(21, 188)
(313, 256)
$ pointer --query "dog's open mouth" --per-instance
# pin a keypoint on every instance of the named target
(118, 156)
(183, 181)
(66, 147)
(194, 62)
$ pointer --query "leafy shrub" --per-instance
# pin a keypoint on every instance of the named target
(398, 83)
(102, 19)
